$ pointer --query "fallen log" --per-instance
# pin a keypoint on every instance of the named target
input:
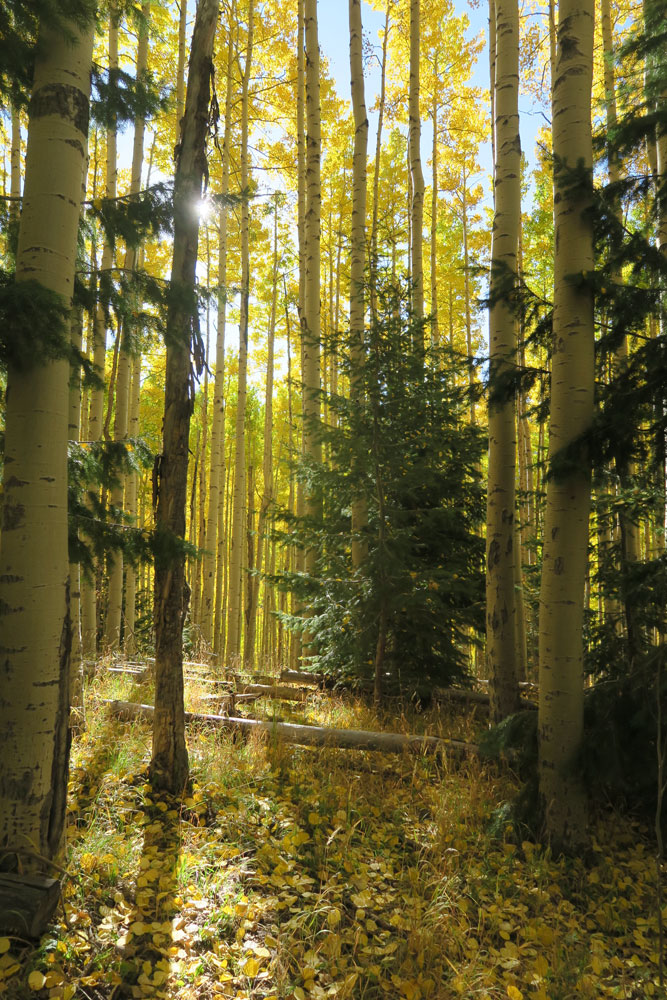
(27, 903)
(301, 677)
(476, 697)
(274, 691)
(128, 671)
(349, 739)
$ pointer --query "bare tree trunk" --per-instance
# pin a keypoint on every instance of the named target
(357, 260)
(34, 565)
(311, 319)
(376, 170)
(416, 173)
(235, 592)
(565, 555)
(501, 651)
(169, 763)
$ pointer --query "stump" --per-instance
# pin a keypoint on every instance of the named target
(27, 903)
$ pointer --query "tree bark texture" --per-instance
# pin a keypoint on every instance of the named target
(501, 645)
(416, 172)
(565, 553)
(235, 590)
(34, 600)
(169, 764)
(358, 257)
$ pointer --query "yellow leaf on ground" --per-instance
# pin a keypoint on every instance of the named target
(514, 994)
(36, 980)
(251, 968)
(5, 945)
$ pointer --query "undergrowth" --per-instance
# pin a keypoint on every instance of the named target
(310, 873)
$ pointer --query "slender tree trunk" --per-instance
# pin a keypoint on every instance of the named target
(77, 712)
(235, 591)
(311, 319)
(565, 554)
(216, 481)
(129, 640)
(169, 763)
(357, 261)
(34, 567)
(15, 168)
(267, 459)
(376, 170)
(435, 336)
(416, 173)
(501, 649)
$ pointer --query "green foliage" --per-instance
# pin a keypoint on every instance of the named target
(98, 528)
(34, 325)
(19, 28)
(408, 451)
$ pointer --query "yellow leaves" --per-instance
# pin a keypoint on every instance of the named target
(5, 945)
(514, 993)
(36, 980)
(333, 918)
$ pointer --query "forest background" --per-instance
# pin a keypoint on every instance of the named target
(277, 457)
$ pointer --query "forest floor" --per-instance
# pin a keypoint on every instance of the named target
(314, 873)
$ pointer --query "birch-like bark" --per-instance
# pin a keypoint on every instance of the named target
(15, 168)
(376, 169)
(235, 590)
(169, 762)
(501, 652)
(311, 320)
(357, 260)
(267, 455)
(210, 612)
(565, 554)
(35, 632)
(416, 173)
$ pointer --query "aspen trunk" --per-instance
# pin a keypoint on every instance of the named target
(376, 170)
(357, 260)
(131, 488)
(15, 168)
(501, 626)
(267, 458)
(435, 336)
(114, 618)
(211, 583)
(311, 319)
(235, 591)
(77, 712)
(568, 495)
(169, 763)
(34, 598)
(416, 173)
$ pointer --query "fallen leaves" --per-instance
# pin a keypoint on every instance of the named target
(304, 874)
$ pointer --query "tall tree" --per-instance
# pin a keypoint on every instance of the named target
(235, 591)
(416, 172)
(34, 598)
(311, 319)
(565, 552)
(500, 598)
(358, 251)
(169, 763)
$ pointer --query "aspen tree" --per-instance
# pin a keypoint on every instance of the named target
(77, 714)
(211, 584)
(565, 553)
(34, 599)
(169, 762)
(235, 589)
(15, 167)
(358, 254)
(311, 319)
(376, 169)
(435, 336)
(96, 411)
(267, 456)
(501, 651)
(416, 173)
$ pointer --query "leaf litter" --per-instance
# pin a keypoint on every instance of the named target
(307, 874)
